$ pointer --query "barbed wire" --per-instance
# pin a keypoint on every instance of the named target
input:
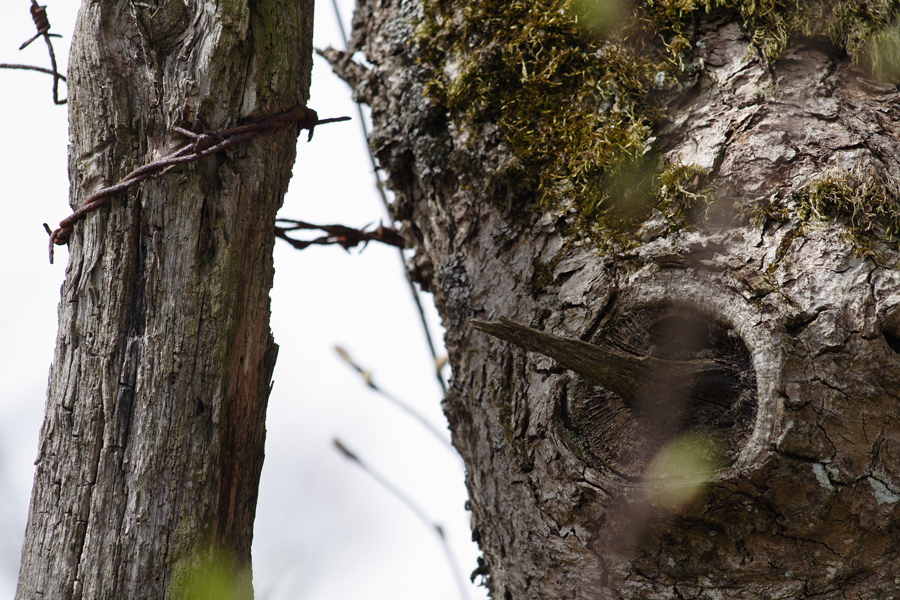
(380, 186)
(200, 146)
(39, 16)
(342, 235)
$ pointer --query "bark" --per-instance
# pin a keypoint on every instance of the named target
(568, 494)
(152, 444)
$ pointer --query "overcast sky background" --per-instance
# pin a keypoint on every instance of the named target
(324, 528)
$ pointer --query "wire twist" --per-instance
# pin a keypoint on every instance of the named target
(200, 146)
(39, 16)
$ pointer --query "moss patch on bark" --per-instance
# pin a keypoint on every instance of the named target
(866, 205)
(573, 89)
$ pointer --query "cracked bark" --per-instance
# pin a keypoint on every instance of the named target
(808, 502)
(152, 442)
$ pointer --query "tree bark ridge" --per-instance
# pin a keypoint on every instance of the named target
(814, 485)
(152, 443)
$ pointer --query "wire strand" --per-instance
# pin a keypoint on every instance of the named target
(384, 200)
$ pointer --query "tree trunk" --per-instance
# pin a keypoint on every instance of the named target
(714, 415)
(152, 444)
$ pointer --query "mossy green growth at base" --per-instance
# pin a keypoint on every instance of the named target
(573, 89)
(205, 575)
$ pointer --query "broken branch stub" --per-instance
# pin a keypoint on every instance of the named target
(643, 382)
(660, 371)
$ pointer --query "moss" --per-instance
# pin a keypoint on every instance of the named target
(542, 274)
(883, 54)
(575, 111)
(769, 210)
(571, 89)
(516, 447)
(783, 246)
(210, 575)
(848, 24)
(868, 206)
(683, 195)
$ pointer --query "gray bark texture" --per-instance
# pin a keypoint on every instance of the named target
(152, 444)
(568, 496)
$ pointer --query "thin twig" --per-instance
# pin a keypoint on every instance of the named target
(387, 207)
(412, 506)
(202, 145)
(367, 377)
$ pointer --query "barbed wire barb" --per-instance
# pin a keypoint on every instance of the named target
(379, 185)
(39, 16)
(200, 146)
(341, 235)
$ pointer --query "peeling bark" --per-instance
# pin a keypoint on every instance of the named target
(152, 443)
(807, 503)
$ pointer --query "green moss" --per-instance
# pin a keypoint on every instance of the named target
(866, 205)
(210, 575)
(575, 111)
(682, 194)
(883, 53)
(516, 447)
(542, 274)
(783, 247)
(770, 210)
(572, 87)
(775, 24)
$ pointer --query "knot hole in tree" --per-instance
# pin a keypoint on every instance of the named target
(892, 339)
(676, 371)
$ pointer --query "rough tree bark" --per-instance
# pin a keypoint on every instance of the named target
(569, 496)
(152, 444)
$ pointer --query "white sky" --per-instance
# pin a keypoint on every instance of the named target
(324, 528)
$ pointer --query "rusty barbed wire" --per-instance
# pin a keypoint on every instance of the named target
(200, 146)
(39, 16)
(380, 186)
(343, 236)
